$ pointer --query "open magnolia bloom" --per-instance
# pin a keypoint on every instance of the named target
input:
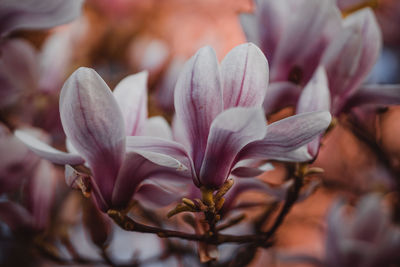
(220, 121)
(348, 60)
(367, 238)
(36, 14)
(280, 28)
(96, 123)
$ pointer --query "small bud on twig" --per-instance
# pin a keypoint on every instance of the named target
(224, 189)
(178, 209)
(189, 202)
(314, 170)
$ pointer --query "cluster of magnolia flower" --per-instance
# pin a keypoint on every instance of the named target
(218, 144)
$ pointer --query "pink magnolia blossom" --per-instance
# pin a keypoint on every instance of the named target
(24, 71)
(348, 60)
(36, 14)
(220, 120)
(33, 213)
(96, 123)
(293, 35)
(365, 239)
(165, 88)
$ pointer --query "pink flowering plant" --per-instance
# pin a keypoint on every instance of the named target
(126, 143)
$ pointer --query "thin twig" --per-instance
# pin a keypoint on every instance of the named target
(129, 224)
(291, 199)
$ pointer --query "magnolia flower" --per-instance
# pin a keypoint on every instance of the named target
(33, 213)
(96, 123)
(220, 120)
(365, 239)
(348, 60)
(293, 35)
(24, 70)
(36, 14)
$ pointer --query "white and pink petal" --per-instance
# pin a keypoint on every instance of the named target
(94, 125)
(230, 132)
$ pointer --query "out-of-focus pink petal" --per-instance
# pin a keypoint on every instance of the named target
(340, 61)
(375, 95)
(147, 53)
(287, 135)
(15, 216)
(314, 25)
(371, 34)
(131, 96)
(17, 161)
(166, 87)
(41, 192)
(157, 127)
(315, 97)
(371, 219)
(244, 73)
(350, 57)
(47, 152)
(243, 185)
(230, 132)
(61, 45)
(280, 95)
(37, 14)
(273, 15)
(18, 70)
(94, 124)
(335, 232)
(198, 100)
